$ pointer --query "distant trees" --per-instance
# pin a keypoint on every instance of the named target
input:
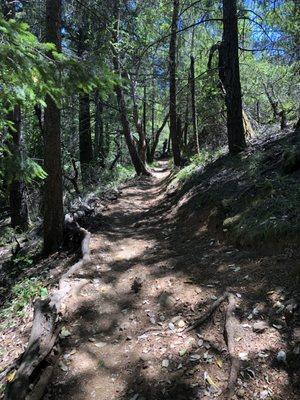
(53, 191)
(138, 164)
(136, 68)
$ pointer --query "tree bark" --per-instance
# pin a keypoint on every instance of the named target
(275, 108)
(172, 85)
(53, 193)
(85, 132)
(193, 101)
(99, 130)
(156, 139)
(139, 166)
(85, 135)
(231, 81)
(17, 190)
(142, 145)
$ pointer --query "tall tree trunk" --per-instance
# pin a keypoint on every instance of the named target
(85, 134)
(153, 113)
(172, 83)
(53, 194)
(233, 96)
(193, 101)
(85, 131)
(17, 190)
(142, 145)
(139, 166)
(99, 130)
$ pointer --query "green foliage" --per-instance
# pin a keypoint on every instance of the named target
(197, 161)
(25, 71)
(22, 294)
(272, 215)
(21, 261)
(7, 236)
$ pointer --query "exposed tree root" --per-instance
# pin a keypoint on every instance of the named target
(230, 328)
(33, 369)
(208, 312)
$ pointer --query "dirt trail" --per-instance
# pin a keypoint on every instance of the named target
(148, 278)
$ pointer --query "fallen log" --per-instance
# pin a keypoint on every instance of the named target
(208, 312)
(230, 328)
(30, 376)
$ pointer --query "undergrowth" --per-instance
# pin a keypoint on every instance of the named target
(257, 193)
(22, 295)
(272, 214)
(200, 160)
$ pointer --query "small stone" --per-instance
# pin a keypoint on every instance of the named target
(165, 363)
(195, 357)
(281, 357)
(181, 323)
(100, 344)
(171, 326)
(264, 394)
(165, 300)
(260, 326)
(241, 393)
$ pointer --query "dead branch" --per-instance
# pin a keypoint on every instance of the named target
(208, 312)
(74, 179)
(44, 333)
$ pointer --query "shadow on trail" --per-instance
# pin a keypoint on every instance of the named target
(178, 245)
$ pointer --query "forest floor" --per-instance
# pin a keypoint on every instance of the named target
(157, 263)
(150, 276)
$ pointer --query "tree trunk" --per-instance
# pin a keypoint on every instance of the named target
(156, 139)
(99, 130)
(53, 194)
(139, 166)
(142, 145)
(193, 98)
(172, 83)
(275, 108)
(232, 84)
(17, 189)
(85, 136)
(85, 132)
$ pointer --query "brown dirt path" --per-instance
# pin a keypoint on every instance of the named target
(149, 277)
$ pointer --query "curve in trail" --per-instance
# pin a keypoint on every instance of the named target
(151, 275)
(106, 316)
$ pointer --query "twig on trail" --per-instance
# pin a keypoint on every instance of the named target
(230, 325)
(33, 371)
(208, 312)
